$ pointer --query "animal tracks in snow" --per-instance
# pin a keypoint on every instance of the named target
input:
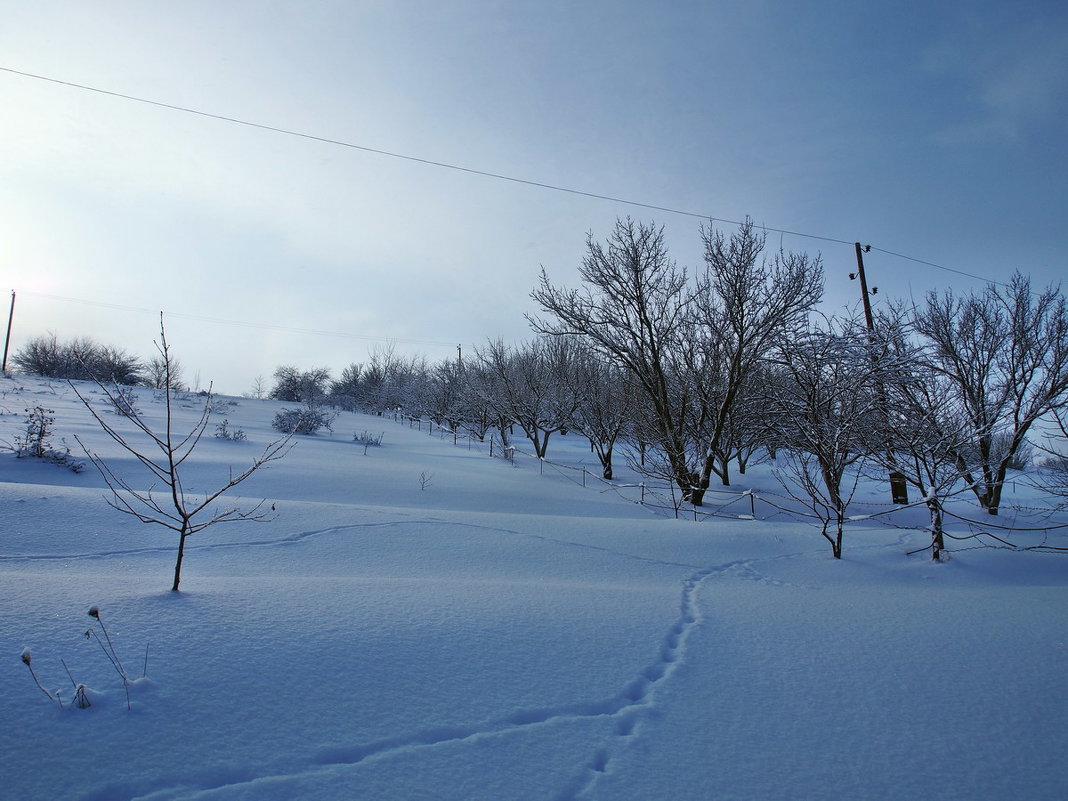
(622, 714)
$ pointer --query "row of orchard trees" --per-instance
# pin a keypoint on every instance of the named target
(943, 395)
(696, 373)
(699, 372)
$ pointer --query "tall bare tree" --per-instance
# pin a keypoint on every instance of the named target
(1005, 352)
(606, 406)
(744, 303)
(820, 410)
(634, 310)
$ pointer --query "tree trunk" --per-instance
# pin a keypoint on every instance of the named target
(934, 507)
(181, 554)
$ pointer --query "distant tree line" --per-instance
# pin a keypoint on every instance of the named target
(83, 359)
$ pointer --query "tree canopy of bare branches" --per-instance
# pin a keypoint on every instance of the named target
(634, 311)
(1004, 351)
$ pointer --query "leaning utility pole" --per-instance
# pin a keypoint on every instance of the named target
(7, 339)
(899, 490)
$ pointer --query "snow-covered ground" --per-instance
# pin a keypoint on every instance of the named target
(420, 621)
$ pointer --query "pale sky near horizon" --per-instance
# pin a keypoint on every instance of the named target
(935, 130)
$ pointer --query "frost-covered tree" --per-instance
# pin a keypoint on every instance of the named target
(744, 304)
(297, 386)
(160, 375)
(633, 309)
(78, 359)
(345, 391)
(439, 393)
(820, 410)
(920, 426)
(605, 407)
(535, 385)
(1004, 351)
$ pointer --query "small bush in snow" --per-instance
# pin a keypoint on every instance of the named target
(223, 431)
(125, 402)
(303, 421)
(34, 443)
(367, 438)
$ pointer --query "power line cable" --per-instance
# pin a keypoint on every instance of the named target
(459, 168)
(938, 266)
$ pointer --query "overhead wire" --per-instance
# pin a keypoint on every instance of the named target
(461, 168)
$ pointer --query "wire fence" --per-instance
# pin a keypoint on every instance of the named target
(664, 498)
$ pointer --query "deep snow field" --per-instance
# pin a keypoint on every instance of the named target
(421, 621)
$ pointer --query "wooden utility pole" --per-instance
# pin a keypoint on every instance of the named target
(7, 339)
(899, 490)
(864, 288)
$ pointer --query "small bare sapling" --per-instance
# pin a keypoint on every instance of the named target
(368, 440)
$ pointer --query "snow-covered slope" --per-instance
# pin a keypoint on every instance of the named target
(423, 622)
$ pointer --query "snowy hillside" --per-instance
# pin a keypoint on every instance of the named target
(421, 621)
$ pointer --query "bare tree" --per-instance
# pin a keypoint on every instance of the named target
(605, 408)
(388, 379)
(476, 413)
(259, 388)
(535, 385)
(920, 428)
(633, 310)
(744, 304)
(1052, 476)
(345, 391)
(175, 507)
(160, 374)
(820, 411)
(440, 393)
(1005, 353)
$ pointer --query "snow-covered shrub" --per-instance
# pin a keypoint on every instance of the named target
(299, 386)
(368, 439)
(125, 402)
(303, 421)
(34, 443)
(80, 358)
(223, 431)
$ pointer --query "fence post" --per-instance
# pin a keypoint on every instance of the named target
(584, 476)
(752, 504)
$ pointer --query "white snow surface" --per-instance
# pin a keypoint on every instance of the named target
(503, 633)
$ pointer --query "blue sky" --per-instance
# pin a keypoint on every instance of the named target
(935, 130)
